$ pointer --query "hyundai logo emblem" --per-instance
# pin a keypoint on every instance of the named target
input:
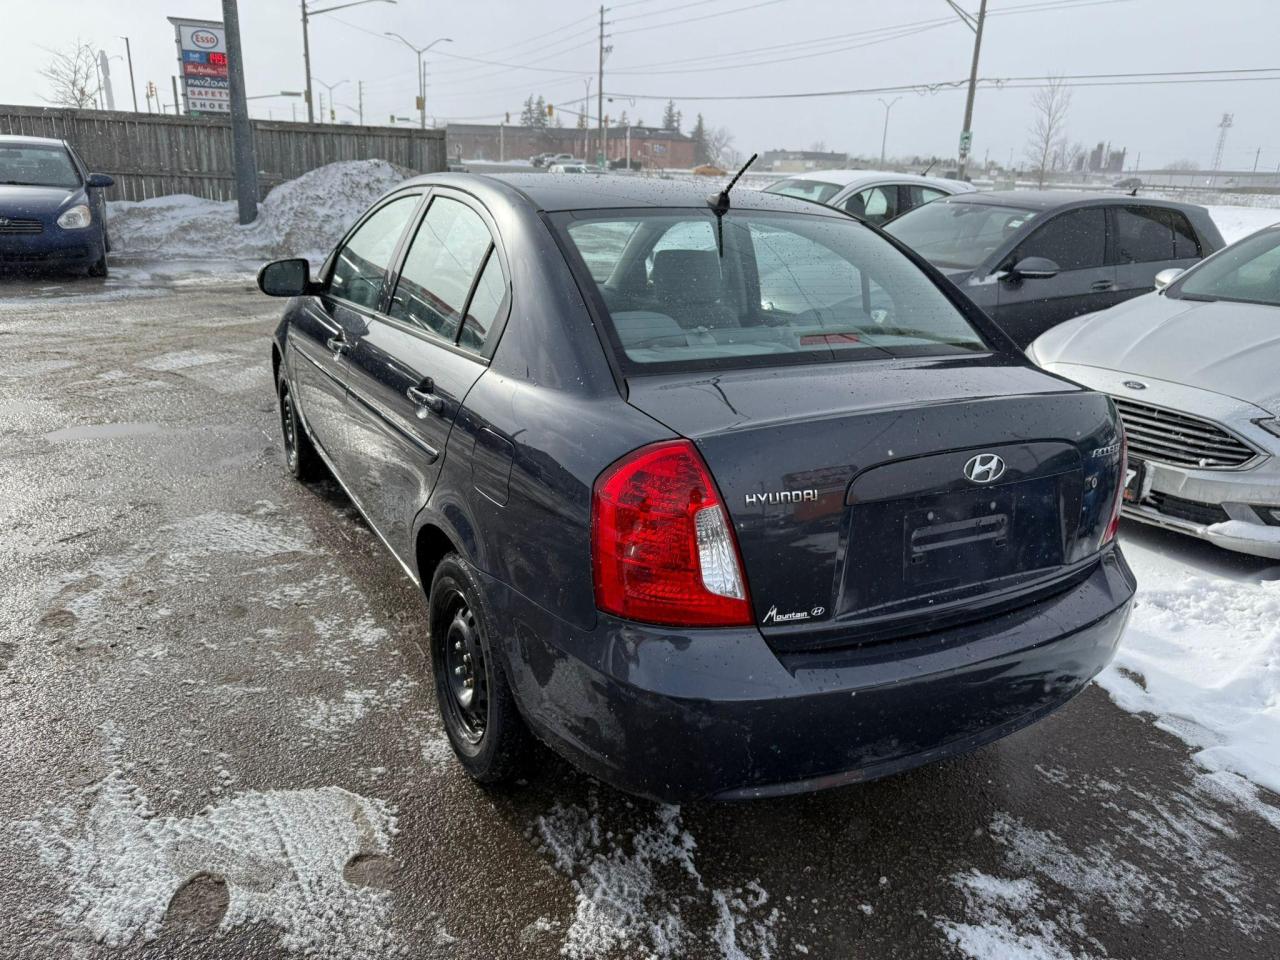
(1135, 384)
(984, 468)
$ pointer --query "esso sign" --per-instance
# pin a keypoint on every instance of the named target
(204, 39)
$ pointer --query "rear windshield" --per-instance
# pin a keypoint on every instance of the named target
(37, 166)
(779, 288)
(958, 235)
(817, 190)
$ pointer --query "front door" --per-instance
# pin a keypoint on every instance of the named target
(1076, 241)
(412, 367)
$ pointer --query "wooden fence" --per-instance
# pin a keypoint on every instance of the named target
(151, 155)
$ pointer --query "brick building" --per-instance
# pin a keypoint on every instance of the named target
(651, 147)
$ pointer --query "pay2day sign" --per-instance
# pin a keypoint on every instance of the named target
(202, 66)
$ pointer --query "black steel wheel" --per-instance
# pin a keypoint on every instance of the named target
(299, 455)
(479, 711)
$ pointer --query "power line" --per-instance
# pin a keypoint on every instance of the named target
(706, 16)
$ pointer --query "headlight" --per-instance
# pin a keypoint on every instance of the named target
(77, 218)
(1271, 425)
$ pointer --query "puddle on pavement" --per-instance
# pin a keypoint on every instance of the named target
(102, 431)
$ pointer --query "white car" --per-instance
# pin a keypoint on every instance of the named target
(1194, 369)
(571, 168)
(871, 195)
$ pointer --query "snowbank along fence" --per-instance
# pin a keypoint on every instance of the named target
(151, 155)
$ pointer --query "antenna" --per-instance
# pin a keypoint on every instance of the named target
(719, 204)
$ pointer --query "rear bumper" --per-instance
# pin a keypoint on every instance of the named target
(716, 713)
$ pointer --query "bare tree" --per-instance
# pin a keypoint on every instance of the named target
(1048, 131)
(72, 76)
(719, 145)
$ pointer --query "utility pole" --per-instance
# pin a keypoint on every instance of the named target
(360, 100)
(1256, 156)
(306, 40)
(600, 90)
(888, 105)
(176, 109)
(966, 135)
(132, 86)
(246, 164)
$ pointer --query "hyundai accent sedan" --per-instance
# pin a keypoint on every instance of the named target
(1195, 371)
(719, 497)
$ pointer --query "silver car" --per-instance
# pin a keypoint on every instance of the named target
(875, 196)
(1195, 372)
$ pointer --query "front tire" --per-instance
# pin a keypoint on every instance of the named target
(99, 269)
(299, 455)
(479, 711)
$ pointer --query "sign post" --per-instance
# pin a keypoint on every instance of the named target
(202, 65)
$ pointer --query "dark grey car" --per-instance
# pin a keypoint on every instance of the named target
(1032, 259)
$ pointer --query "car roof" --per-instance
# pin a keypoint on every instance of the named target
(592, 191)
(32, 141)
(845, 178)
(1055, 199)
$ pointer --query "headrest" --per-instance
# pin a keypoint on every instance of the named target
(691, 276)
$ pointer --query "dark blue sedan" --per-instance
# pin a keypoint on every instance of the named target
(52, 211)
(719, 497)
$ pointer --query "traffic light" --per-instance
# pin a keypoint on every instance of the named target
(550, 110)
(508, 117)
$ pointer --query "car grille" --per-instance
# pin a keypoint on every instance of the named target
(8, 225)
(1180, 439)
(1192, 511)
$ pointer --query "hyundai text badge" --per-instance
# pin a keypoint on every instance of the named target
(984, 468)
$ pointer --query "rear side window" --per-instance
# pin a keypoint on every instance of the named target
(486, 305)
(1075, 240)
(446, 254)
(875, 204)
(921, 195)
(782, 288)
(360, 268)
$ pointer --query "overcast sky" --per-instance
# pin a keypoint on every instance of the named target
(657, 43)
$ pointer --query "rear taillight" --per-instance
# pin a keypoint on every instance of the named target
(662, 550)
(1113, 525)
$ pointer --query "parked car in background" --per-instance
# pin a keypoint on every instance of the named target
(1195, 371)
(1035, 258)
(668, 477)
(52, 211)
(875, 196)
(573, 168)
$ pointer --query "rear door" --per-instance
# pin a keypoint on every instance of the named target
(411, 368)
(1076, 240)
(1146, 240)
(325, 326)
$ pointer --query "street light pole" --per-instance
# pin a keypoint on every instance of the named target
(888, 105)
(132, 87)
(330, 87)
(306, 40)
(422, 72)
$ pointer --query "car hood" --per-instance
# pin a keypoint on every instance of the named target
(21, 201)
(1228, 348)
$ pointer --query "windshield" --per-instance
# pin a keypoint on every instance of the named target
(956, 234)
(37, 166)
(818, 191)
(1248, 272)
(787, 288)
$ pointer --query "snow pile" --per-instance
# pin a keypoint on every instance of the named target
(280, 853)
(631, 891)
(1203, 655)
(303, 217)
(1237, 222)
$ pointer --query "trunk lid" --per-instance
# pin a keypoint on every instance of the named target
(847, 490)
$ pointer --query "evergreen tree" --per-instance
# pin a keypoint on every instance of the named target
(671, 117)
(527, 113)
(540, 112)
(701, 152)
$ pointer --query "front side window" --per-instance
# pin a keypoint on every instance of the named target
(444, 257)
(361, 266)
(958, 235)
(781, 288)
(819, 191)
(1248, 272)
(34, 165)
(1075, 240)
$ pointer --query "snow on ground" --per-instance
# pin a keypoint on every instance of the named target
(1202, 653)
(303, 217)
(1237, 222)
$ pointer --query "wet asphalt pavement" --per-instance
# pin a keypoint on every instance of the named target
(218, 736)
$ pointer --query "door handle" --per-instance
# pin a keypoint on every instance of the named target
(424, 395)
(1102, 286)
(338, 344)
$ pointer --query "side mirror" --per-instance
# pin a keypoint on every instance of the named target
(286, 278)
(100, 180)
(1166, 277)
(1033, 268)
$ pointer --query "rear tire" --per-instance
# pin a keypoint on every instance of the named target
(300, 456)
(488, 735)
